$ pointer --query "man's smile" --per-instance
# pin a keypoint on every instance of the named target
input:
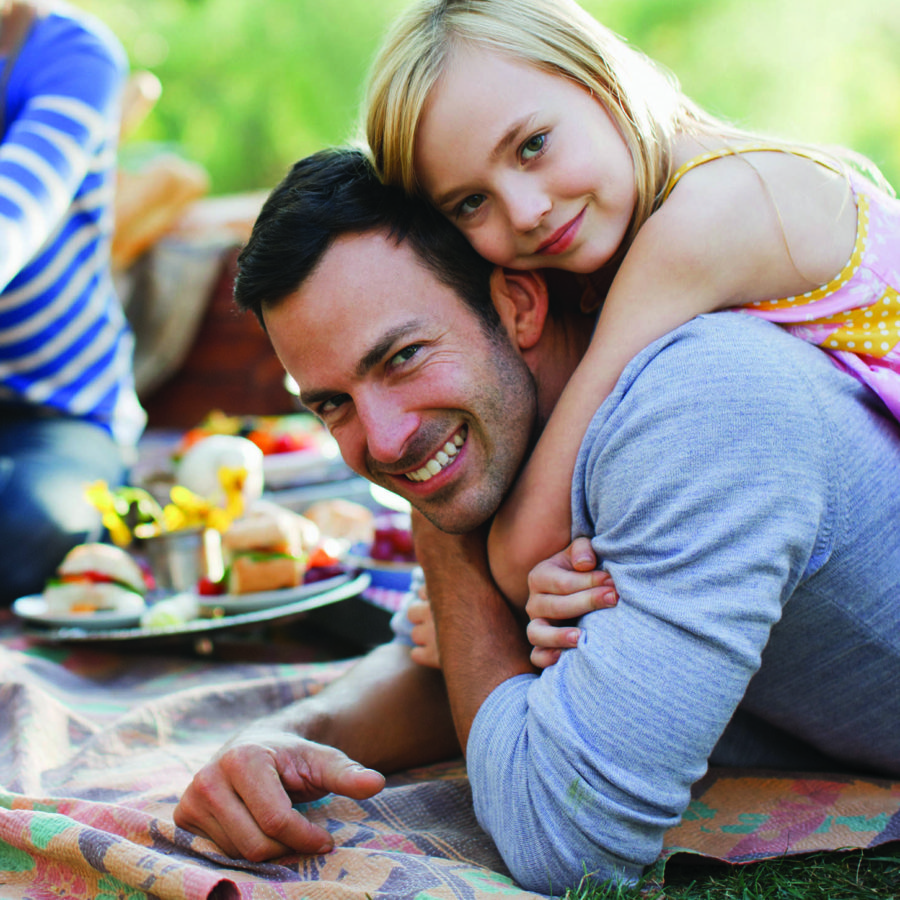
(441, 459)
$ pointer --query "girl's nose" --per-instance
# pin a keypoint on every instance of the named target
(526, 209)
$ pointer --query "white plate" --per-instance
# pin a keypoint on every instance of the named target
(33, 608)
(238, 603)
(323, 593)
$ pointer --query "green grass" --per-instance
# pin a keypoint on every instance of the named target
(854, 875)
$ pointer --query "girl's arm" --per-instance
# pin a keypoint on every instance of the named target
(662, 283)
(734, 232)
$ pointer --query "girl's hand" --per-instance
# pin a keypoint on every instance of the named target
(425, 653)
(560, 589)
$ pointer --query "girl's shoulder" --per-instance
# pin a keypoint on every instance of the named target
(753, 218)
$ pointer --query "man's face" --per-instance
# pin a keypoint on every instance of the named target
(419, 399)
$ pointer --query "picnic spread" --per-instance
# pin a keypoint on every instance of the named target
(98, 742)
(107, 715)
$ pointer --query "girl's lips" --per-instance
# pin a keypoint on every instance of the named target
(561, 239)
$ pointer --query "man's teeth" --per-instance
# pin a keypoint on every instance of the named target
(439, 460)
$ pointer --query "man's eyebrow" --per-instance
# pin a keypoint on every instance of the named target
(384, 344)
(510, 136)
(371, 358)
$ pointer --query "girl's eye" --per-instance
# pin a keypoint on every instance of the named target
(533, 147)
(406, 354)
(470, 204)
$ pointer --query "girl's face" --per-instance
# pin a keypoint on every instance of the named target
(528, 165)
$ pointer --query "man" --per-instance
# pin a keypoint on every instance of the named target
(736, 485)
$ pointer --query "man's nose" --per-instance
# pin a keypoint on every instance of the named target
(389, 426)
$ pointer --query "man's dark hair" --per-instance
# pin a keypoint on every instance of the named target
(336, 192)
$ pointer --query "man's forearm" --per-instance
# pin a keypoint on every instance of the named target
(482, 643)
(386, 712)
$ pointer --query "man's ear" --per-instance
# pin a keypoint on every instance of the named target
(521, 300)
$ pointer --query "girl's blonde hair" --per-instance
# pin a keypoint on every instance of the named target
(557, 36)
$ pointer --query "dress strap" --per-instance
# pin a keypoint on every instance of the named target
(735, 151)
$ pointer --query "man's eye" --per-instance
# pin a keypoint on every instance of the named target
(331, 404)
(470, 204)
(406, 354)
(533, 147)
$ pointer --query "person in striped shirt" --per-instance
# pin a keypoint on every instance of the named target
(69, 413)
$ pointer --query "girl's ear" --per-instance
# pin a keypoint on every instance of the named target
(521, 300)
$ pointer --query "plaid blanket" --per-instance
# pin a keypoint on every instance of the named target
(96, 747)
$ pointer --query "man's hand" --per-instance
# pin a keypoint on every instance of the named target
(242, 799)
(423, 634)
(560, 589)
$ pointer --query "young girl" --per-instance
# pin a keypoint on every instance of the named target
(551, 143)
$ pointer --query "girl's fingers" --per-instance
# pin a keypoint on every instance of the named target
(547, 578)
(549, 635)
(582, 555)
(543, 657)
(570, 605)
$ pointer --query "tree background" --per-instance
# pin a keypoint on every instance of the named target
(250, 86)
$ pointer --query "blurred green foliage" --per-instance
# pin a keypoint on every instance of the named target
(249, 86)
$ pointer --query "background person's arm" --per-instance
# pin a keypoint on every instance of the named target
(62, 124)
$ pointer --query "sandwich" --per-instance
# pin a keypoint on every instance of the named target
(343, 520)
(95, 577)
(266, 550)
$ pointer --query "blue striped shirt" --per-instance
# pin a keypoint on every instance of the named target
(64, 342)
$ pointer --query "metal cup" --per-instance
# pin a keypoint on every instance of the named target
(177, 558)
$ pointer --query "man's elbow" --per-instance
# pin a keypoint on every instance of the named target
(554, 860)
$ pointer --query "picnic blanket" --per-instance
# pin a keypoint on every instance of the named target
(96, 746)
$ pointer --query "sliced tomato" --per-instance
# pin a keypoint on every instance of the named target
(320, 558)
(93, 577)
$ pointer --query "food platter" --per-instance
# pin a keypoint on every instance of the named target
(229, 604)
(96, 627)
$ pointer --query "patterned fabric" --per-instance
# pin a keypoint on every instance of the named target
(96, 747)
(64, 341)
(855, 318)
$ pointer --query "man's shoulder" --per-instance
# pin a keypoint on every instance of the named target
(715, 377)
(725, 340)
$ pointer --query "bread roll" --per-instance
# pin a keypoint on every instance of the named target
(248, 574)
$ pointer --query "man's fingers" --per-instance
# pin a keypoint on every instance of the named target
(426, 655)
(209, 801)
(278, 823)
(358, 782)
(252, 791)
(419, 612)
(328, 770)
